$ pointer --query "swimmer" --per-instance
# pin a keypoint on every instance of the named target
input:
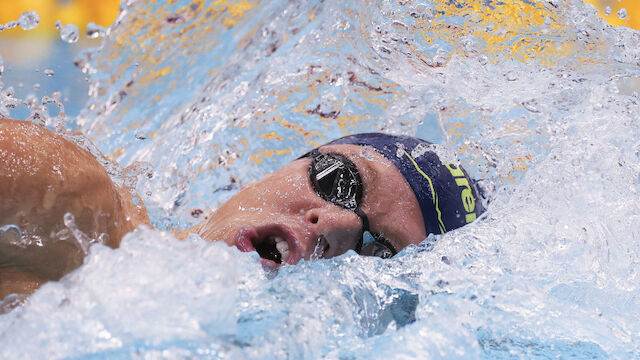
(372, 193)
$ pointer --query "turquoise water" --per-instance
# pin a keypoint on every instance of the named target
(194, 101)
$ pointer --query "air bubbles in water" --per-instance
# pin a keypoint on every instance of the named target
(607, 10)
(95, 31)
(48, 72)
(1, 65)
(622, 13)
(29, 20)
(68, 33)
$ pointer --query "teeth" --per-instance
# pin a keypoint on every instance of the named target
(283, 247)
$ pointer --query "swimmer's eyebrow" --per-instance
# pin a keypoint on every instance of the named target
(368, 172)
(364, 165)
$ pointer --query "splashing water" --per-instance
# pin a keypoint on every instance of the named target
(95, 31)
(538, 99)
(28, 20)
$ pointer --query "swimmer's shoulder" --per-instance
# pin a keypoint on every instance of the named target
(42, 170)
(43, 176)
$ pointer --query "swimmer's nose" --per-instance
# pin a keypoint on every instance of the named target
(333, 231)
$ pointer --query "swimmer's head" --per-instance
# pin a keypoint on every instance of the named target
(371, 193)
(447, 196)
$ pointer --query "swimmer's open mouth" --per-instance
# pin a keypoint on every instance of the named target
(274, 243)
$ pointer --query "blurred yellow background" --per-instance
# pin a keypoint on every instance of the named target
(632, 19)
(78, 12)
(104, 12)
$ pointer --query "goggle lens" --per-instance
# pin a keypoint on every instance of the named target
(336, 179)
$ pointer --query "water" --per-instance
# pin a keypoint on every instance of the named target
(29, 20)
(95, 31)
(68, 33)
(538, 99)
(622, 14)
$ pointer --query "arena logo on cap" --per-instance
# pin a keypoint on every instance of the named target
(468, 201)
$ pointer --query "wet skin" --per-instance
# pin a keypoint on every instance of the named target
(43, 176)
(284, 204)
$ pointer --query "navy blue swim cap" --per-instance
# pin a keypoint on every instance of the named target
(447, 196)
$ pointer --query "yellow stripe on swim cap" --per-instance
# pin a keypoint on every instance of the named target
(434, 196)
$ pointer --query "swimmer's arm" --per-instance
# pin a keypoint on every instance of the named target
(42, 177)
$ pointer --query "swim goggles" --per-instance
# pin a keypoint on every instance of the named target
(336, 179)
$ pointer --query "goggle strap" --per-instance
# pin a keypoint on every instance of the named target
(365, 228)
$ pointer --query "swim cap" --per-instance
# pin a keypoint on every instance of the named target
(446, 194)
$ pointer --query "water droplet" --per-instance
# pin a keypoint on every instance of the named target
(103, 238)
(1, 27)
(1, 65)
(36, 86)
(63, 234)
(622, 13)
(69, 33)
(95, 31)
(7, 101)
(511, 76)
(29, 20)
(49, 72)
(12, 234)
(58, 25)
(69, 220)
(607, 10)
(11, 24)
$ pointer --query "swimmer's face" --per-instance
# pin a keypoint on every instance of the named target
(283, 213)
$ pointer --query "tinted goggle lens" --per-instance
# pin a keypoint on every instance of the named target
(336, 179)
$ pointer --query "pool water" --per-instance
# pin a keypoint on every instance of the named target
(191, 100)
